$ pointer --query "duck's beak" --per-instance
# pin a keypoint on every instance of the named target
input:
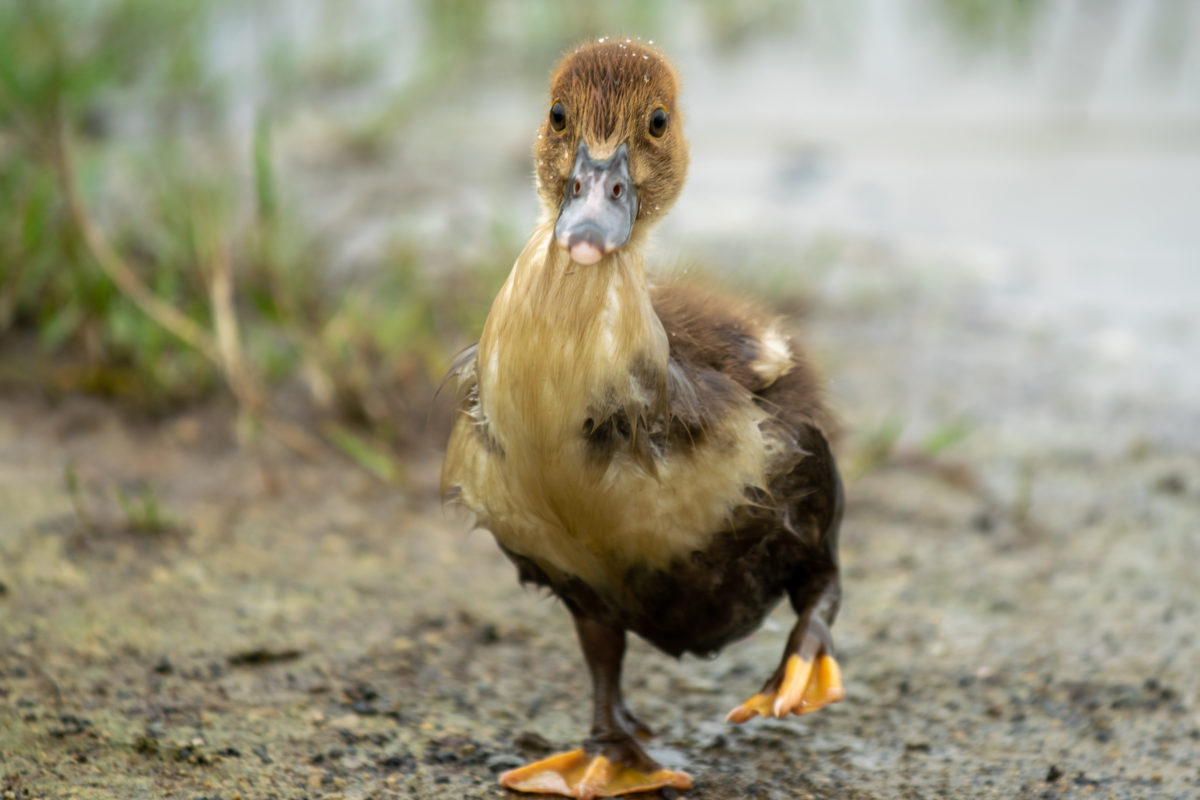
(597, 213)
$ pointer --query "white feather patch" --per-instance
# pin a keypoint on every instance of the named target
(775, 357)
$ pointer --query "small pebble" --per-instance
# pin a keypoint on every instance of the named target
(502, 762)
(531, 742)
(1171, 483)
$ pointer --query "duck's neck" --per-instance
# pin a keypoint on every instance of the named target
(564, 343)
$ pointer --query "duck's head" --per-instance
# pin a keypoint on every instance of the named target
(610, 154)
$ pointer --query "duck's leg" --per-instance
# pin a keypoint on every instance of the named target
(611, 762)
(808, 677)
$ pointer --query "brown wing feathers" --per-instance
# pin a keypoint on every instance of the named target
(709, 333)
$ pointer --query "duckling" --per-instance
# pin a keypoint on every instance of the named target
(656, 455)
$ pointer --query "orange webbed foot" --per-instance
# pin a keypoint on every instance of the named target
(806, 685)
(576, 774)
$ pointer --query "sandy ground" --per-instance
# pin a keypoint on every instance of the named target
(1020, 620)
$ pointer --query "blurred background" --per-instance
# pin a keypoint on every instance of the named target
(327, 194)
(241, 240)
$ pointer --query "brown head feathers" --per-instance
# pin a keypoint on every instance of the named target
(607, 93)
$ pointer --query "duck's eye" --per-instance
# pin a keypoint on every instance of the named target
(658, 122)
(558, 116)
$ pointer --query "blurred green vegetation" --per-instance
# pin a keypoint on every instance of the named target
(145, 272)
(984, 25)
(59, 64)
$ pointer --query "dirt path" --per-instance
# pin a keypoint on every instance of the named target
(1020, 620)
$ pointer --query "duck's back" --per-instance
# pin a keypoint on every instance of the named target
(709, 332)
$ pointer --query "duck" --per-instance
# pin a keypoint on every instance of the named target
(655, 453)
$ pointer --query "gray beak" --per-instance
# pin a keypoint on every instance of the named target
(600, 205)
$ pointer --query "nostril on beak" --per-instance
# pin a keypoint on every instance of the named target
(578, 188)
(618, 187)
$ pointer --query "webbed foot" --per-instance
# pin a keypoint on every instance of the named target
(808, 679)
(576, 774)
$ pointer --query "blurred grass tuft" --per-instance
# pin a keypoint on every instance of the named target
(143, 513)
(141, 274)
